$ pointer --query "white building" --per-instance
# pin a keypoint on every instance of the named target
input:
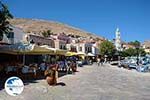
(13, 37)
(95, 49)
(84, 48)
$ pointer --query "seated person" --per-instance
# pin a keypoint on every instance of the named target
(9, 68)
(51, 74)
(43, 66)
(25, 69)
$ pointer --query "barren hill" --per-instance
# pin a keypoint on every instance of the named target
(38, 26)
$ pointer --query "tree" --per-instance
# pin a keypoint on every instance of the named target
(47, 33)
(107, 48)
(5, 15)
(133, 52)
(142, 52)
(135, 43)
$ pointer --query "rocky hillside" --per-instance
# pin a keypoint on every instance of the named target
(38, 26)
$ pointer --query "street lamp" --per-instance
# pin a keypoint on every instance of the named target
(137, 50)
(118, 55)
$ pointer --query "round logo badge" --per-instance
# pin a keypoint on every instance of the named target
(14, 86)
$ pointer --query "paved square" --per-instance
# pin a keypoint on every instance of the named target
(90, 83)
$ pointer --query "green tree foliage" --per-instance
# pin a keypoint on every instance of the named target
(5, 15)
(133, 52)
(135, 43)
(47, 33)
(142, 52)
(107, 48)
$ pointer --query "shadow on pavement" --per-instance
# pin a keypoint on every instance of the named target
(34, 80)
(2, 82)
(60, 84)
(27, 82)
(1, 85)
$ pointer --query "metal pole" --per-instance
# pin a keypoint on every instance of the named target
(24, 57)
(119, 64)
(137, 56)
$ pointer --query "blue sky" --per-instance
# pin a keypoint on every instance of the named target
(101, 17)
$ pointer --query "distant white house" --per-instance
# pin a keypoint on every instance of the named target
(95, 49)
(13, 37)
(85, 47)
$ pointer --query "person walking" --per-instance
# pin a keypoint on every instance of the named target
(101, 60)
(98, 61)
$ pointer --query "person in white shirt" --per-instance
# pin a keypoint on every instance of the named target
(98, 61)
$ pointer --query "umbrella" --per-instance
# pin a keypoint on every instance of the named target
(90, 54)
(80, 53)
(70, 54)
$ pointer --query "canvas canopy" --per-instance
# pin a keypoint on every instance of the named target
(70, 54)
(56, 51)
(21, 48)
(90, 54)
(80, 53)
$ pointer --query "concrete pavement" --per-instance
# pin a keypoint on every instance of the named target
(90, 83)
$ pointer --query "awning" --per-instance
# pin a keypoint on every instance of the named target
(70, 54)
(39, 50)
(21, 48)
(56, 51)
(80, 53)
(61, 52)
(90, 54)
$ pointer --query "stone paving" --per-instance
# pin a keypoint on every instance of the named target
(90, 83)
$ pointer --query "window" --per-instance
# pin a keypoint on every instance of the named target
(73, 49)
(64, 47)
(89, 49)
(61, 47)
(80, 49)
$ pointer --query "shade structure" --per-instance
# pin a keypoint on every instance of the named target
(56, 51)
(48, 47)
(80, 53)
(39, 50)
(60, 52)
(15, 48)
(21, 48)
(90, 54)
(70, 54)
